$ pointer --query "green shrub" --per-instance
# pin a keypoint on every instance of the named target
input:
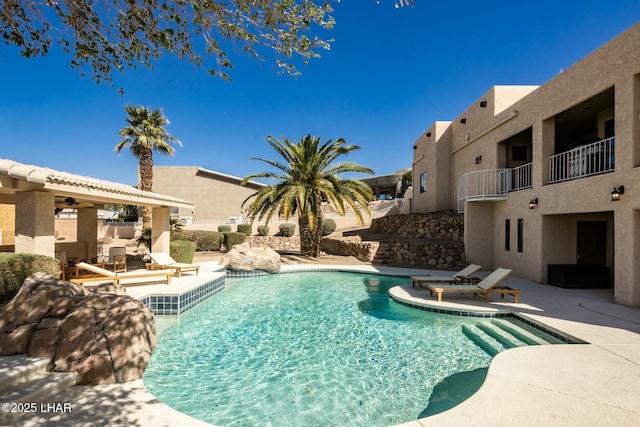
(232, 238)
(224, 228)
(263, 230)
(14, 268)
(205, 240)
(328, 226)
(246, 229)
(182, 250)
(287, 229)
(209, 241)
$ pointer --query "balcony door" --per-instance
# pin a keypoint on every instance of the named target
(592, 243)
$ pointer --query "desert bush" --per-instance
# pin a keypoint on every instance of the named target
(14, 268)
(182, 250)
(205, 240)
(232, 238)
(246, 229)
(224, 228)
(287, 229)
(263, 230)
(328, 226)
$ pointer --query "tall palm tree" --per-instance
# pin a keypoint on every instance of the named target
(144, 135)
(306, 178)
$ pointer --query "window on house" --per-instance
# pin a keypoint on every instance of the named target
(520, 234)
(423, 182)
(507, 234)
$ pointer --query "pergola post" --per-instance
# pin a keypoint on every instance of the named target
(87, 231)
(160, 230)
(35, 223)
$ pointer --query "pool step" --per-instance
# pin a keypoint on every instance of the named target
(525, 333)
(500, 335)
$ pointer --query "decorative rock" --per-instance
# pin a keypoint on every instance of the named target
(245, 258)
(105, 336)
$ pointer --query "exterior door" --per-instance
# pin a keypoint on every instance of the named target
(592, 243)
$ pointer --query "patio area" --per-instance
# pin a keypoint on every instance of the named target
(591, 384)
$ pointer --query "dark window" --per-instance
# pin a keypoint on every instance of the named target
(507, 234)
(520, 233)
(423, 182)
(519, 153)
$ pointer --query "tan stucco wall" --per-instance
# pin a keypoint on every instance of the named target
(7, 224)
(215, 197)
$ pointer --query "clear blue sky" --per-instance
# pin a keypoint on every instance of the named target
(389, 74)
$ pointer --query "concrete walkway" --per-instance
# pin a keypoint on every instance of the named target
(594, 384)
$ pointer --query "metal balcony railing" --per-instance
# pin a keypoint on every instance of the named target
(583, 161)
(493, 184)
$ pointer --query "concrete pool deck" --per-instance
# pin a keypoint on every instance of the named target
(592, 384)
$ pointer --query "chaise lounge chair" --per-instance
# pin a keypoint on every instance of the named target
(103, 275)
(462, 276)
(490, 284)
(162, 260)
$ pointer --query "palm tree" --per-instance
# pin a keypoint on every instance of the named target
(144, 135)
(306, 178)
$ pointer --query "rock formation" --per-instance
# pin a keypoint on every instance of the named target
(245, 258)
(104, 335)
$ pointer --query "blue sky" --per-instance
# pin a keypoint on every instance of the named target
(390, 73)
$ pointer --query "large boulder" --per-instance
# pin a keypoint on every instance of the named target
(245, 258)
(105, 336)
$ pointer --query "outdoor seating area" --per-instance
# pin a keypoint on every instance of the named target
(162, 260)
(462, 276)
(98, 274)
(488, 285)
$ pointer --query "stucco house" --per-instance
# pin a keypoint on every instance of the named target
(547, 177)
(217, 196)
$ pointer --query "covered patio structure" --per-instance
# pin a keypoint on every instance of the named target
(36, 192)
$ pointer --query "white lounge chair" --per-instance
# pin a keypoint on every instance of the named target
(162, 260)
(103, 275)
(462, 276)
(490, 284)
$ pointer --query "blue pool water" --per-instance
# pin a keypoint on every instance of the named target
(308, 349)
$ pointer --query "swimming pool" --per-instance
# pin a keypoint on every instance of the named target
(313, 349)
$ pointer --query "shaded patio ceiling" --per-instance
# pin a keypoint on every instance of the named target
(83, 191)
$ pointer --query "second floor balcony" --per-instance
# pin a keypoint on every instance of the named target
(583, 161)
(493, 184)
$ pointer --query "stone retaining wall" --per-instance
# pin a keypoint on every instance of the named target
(435, 225)
(277, 243)
(439, 255)
(434, 240)
(420, 240)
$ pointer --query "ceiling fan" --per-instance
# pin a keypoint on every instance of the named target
(71, 203)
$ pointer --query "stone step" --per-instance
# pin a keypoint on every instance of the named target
(20, 368)
(44, 387)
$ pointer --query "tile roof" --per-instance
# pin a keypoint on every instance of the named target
(52, 179)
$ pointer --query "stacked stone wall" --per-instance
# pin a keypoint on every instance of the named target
(277, 243)
(436, 225)
(438, 255)
(434, 241)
